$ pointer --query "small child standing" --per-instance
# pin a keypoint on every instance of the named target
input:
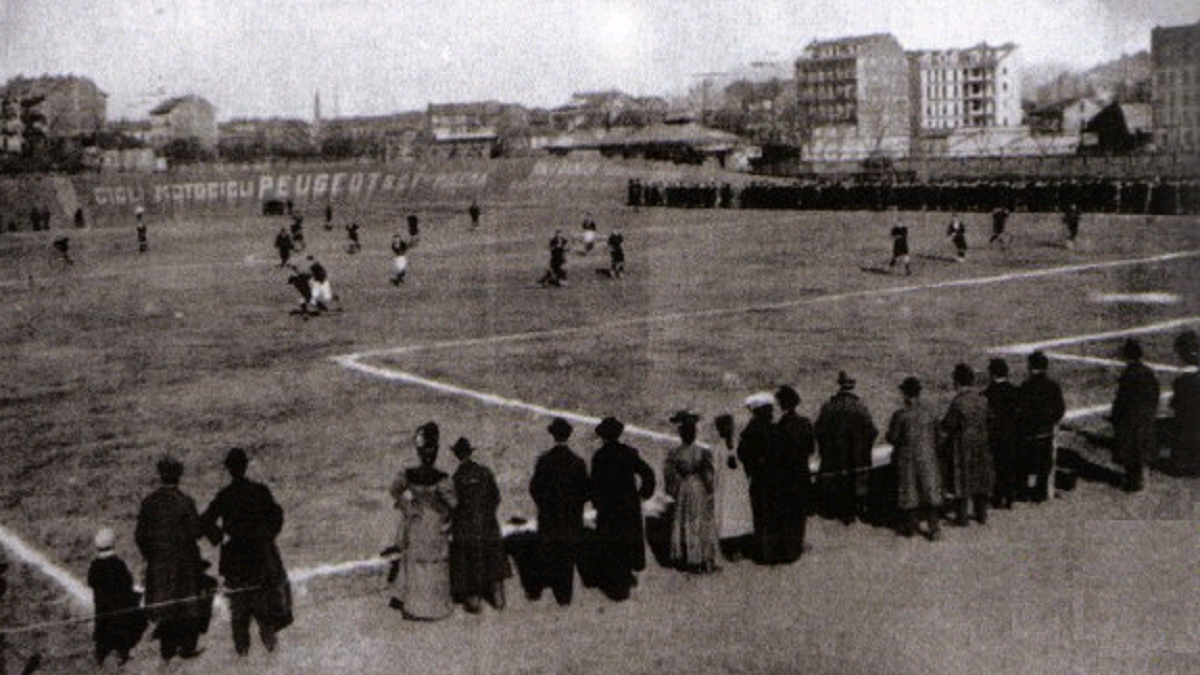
(120, 620)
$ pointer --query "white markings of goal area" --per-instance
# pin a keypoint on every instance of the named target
(81, 595)
(1052, 348)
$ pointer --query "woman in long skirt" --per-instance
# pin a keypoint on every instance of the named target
(735, 522)
(425, 497)
(689, 478)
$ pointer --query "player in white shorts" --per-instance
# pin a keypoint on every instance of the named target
(400, 261)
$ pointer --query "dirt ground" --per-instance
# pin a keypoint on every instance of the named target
(191, 349)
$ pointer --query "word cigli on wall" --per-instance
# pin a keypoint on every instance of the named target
(234, 189)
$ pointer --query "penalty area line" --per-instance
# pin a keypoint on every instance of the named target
(1027, 347)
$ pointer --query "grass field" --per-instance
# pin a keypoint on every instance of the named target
(192, 347)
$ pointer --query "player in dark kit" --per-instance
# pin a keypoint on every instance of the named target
(474, 212)
(957, 232)
(283, 244)
(999, 221)
(1070, 218)
(63, 246)
(899, 236)
(616, 254)
(298, 233)
(352, 245)
(414, 229)
(556, 274)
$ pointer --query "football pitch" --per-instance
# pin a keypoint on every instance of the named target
(194, 347)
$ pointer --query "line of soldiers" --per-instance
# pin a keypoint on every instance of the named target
(959, 195)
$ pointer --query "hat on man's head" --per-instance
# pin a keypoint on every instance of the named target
(560, 429)
(685, 416)
(462, 447)
(105, 540)
(170, 470)
(1131, 350)
(910, 387)
(787, 397)
(610, 428)
(236, 461)
(762, 399)
(845, 381)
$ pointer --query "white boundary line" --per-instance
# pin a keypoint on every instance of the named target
(81, 595)
(776, 306)
(1027, 347)
(1109, 363)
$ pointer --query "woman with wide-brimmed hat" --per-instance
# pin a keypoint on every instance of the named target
(689, 480)
(621, 480)
(425, 497)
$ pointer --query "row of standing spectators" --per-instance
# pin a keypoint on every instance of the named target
(1041, 196)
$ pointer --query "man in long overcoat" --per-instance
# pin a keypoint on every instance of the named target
(845, 436)
(913, 432)
(1003, 415)
(791, 480)
(478, 565)
(1134, 415)
(244, 519)
(560, 488)
(168, 526)
(755, 451)
(1185, 407)
(621, 480)
(1042, 407)
(967, 456)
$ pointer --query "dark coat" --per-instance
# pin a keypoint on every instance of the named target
(620, 481)
(1003, 415)
(120, 622)
(167, 529)
(1041, 405)
(244, 520)
(845, 433)
(1134, 413)
(787, 482)
(967, 456)
(1185, 405)
(477, 558)
(560, 487)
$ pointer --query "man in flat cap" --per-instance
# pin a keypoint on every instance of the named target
(560, 488)
(621, 481)
(845, 436)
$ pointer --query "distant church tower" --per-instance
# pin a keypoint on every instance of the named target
(315, 129)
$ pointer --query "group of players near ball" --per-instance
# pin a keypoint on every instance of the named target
(956, 232)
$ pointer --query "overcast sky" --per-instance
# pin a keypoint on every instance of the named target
(268, 57)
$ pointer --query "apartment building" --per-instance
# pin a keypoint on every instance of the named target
(852, 94)
(1175, 87)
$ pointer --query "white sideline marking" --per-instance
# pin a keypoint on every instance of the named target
(1109, 363)
(1137, 298)
(80, 594)
(1027, 347)
(352, 362)
(746, 309)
